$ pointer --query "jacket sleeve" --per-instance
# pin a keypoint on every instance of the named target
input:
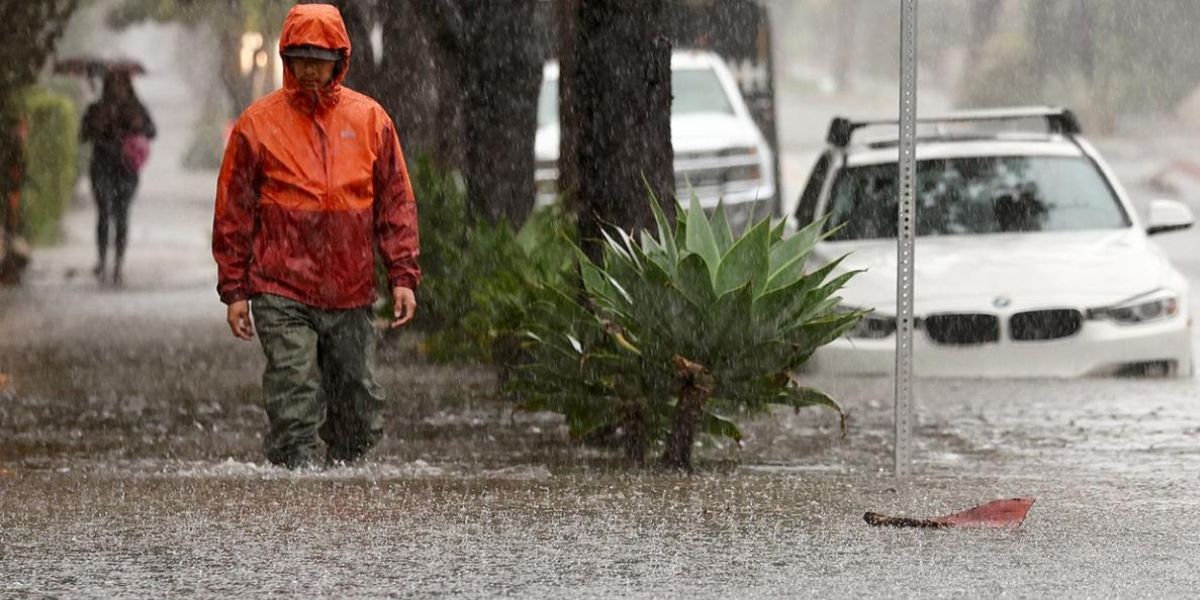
(235, 216)
(396, 213)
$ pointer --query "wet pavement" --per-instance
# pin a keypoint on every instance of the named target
(130, 466)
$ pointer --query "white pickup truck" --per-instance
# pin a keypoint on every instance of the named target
(720, 153)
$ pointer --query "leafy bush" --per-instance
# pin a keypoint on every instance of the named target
(442, 222)
(498, 273)
(670, 335)
(50, 161)
(478, 277)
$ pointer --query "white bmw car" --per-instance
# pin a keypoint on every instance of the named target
(1030, 261)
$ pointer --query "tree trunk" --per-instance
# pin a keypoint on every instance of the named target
(695, 385)
(567, 15)
(621, 105)
(501, 75)
(237, 86)
(409, 84)
(487, 78)
(678, 455)
(364, 75)
(444, 28)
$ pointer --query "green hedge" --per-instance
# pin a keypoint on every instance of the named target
(51, 154)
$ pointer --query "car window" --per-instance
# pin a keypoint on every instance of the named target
(977, 195)
(692, 90)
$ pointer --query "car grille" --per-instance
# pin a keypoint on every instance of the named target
(1044, 324)
(699, 178)
(962, 329)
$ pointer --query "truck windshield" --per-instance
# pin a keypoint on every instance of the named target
(693, 91)
(698, 91)
(976, 195)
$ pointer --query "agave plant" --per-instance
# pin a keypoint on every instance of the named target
(673, 330)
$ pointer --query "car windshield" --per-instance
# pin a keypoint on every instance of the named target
(693, 91)
(698, 91)
(548, 103)
(977, 195)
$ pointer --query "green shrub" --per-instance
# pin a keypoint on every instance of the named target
(477, 277)
(51, 152)
(442, 222)
(670, 335)
(498, 273)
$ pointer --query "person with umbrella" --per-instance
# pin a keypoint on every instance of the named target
(119, 128)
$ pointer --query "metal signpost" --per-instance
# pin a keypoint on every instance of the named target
(905, 235)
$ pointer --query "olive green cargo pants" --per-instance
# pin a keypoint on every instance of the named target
(318, 384)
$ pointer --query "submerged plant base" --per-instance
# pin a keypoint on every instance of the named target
(997, 514)
(696, 385)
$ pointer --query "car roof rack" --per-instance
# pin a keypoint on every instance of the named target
(1058, 120)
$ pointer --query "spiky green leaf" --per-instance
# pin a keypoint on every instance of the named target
(803, 397)
(746, 262)
(700, 238)
(720, 228)
(719, 426)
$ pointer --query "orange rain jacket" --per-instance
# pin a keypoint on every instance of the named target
(310, 184)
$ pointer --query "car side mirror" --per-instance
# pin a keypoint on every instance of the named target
(1168, 215)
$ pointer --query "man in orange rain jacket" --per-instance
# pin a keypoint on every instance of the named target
(313, 182)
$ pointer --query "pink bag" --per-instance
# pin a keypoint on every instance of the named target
(136, 150)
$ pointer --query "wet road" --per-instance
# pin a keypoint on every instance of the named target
(382, 533)
(130, 467)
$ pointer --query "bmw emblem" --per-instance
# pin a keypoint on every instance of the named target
(1001, 301)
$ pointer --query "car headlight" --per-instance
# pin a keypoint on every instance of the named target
(1147, 308)
(873, 326)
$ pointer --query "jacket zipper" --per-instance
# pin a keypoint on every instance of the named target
(323, 144)
(323, 139)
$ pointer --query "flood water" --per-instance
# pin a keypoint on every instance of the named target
(132, 468)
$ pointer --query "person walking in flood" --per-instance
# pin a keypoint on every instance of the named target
(119, 128)
(313, 183)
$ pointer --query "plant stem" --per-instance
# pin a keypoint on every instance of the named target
(692, 395)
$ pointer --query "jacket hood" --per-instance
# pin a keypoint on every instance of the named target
(318, 25)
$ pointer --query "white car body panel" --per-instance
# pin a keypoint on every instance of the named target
(1032, 269)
